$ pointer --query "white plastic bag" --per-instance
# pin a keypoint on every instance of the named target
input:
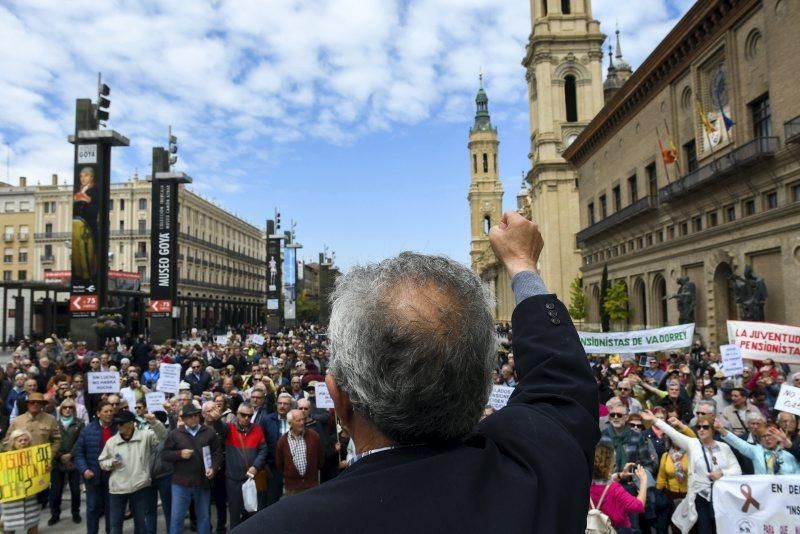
(250, 495)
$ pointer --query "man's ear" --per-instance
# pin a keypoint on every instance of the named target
(341, 401)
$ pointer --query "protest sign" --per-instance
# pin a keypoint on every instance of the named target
(653, 340)
(221, 340)
(499, 396)
(155, 401)
(766, 340)
(130, 398)
(24, 472)
(170, 377)
(207, 463)
(757, 503)
(257, 339)
(732, 364)
(103, 382)
(324, 399)
(788, 400)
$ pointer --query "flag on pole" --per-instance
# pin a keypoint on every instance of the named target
(727, 121)
(668, 155)
(709, 128)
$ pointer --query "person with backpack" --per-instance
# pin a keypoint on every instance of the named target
(610, 504)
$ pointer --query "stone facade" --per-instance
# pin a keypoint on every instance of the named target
(733, 198)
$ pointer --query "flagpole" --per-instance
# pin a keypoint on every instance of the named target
(703, 120)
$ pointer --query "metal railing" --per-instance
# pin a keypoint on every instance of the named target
(749, 153)
(23, 236)
(47, 258)
(52, 235)
(625, 214)
(140, 255)
(791, 130)
(8, 237)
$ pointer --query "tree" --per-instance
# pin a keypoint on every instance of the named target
(605, 322)
(577, 300)
(305, 308)
(616, 302)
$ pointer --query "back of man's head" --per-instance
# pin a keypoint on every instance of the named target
(412, 343)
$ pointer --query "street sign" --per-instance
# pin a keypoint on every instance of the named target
(83, 303)
(159, 306)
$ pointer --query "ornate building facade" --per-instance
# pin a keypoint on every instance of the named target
(486, 207)
(722, 89)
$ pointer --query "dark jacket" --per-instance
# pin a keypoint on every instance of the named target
(69, 441)
(192, 472)
(88, 448)
(271, 425)
(533, 457)
(243, 450)
(314, 460)
(198, 384)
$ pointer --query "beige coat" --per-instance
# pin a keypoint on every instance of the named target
(43, 429)
(134, 474)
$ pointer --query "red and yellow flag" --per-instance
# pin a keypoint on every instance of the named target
(709, 128)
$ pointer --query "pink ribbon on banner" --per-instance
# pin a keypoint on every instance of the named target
(747, 493)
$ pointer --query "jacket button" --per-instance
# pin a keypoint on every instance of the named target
(555, 321)
(552, 313)
(550, 306)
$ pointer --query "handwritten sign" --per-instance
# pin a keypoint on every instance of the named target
(207, 463)
(130, 398)
(170, 377)
(257, 339)
(732, 363)
(221, 340)
(324, 399)
(499, 396)
(155, 401)
(24, 472)
(103, 382)
(788, 400)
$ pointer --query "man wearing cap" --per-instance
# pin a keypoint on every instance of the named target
(127, 456)
(186, 448)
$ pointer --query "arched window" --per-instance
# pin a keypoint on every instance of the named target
(487, 224)
(485, 162)
(565, 7)
(475, 163)
(571, 98)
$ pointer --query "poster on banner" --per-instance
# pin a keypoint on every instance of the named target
(170, 377)
(155, 401)
(324, 399)
(653, 340)
(103, 382)
(766, 340)
(788, 400)
(757, 503)
(499, 396)
(732, 363)
(24, 472)
(221, 340)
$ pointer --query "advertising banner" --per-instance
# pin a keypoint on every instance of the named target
(273, 274)
(24, 472)
(653, 340)
(757, 503)
(163, 247)
(766, 340)
(289, 281)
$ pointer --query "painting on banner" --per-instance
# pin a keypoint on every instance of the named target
(766, 340)
(757, 503)
(24, 472)
(653, 340)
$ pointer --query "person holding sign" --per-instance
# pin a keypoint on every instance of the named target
(413, 346)
(22, 514)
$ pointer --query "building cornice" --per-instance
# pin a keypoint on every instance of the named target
(703, 24)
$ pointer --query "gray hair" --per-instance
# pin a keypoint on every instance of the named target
(410, 333)
(707, 402)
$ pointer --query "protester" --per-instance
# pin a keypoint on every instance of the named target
(64, 469)
(91, 442)
(21, 514)
(299, 455)
(768, 456)
(608, 495)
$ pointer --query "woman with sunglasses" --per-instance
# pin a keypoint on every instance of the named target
(64, 468)
(708, 461)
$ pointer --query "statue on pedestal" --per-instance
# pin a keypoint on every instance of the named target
(751, 294)
(687, 300)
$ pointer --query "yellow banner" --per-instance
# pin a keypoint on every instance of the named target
(24, 472)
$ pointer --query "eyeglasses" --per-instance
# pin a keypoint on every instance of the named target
(240, 414)
(256, 396)
(703, 427)
(67, 408)
(114, 403)
(304, 409)
(703, 413)
(617, 415)
(195, 367)
(624, 389)
(636, 425)
(69, 396)
(140, 407)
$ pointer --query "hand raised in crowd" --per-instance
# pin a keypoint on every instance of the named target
(151, 418)
(648, 416)
(781, 436)
(641, 474)
(675, 423)
(720, 427)
(516, 242)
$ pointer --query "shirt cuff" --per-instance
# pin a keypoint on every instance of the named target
(527, 284)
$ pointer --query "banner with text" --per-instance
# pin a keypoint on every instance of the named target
(499, 396)
(103, 381)
(653, 340)
(766, 340)
(24, 472)
(757, 503)
(289, 281)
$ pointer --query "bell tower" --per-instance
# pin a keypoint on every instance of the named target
(563, 63)
(485, 190)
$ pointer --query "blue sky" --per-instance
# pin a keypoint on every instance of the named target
(350, 116)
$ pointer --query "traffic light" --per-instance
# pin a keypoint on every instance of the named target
(103, 102)
(277, 220)
(173, 148)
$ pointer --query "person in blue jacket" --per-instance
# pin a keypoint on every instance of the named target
(87, 451)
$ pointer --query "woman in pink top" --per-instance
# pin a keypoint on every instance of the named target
(617, 504)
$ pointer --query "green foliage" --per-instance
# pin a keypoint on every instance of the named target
(616, 302)
(605, 321)
(305, 308)
(577, 300)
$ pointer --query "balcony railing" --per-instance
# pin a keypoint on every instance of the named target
(791, 130)
(22, 236)
(8, 237)
(46, 258)
(749, 153)
(52, 235)
(627, 213)
(140, 255)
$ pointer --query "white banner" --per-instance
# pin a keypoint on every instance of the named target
(155, 401)
(766, 340)
(170, 377)
(323, 396)
(757, 503)
(257, 339)
(653, 340)
(221, 340)
(103, 381)
(499, 396)
(732, 364)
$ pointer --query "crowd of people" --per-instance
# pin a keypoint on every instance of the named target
(673, 424)
(244, 410)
